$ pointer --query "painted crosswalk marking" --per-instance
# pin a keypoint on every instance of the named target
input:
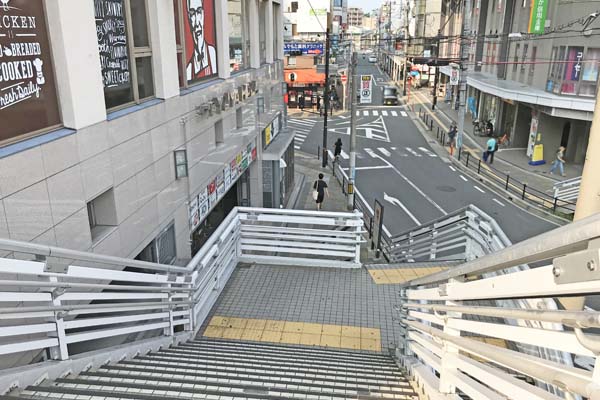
(384, 113)
(365, 113)
(375, 113)
(463, 178)
(299, 139)
(297, 147)
(370, 152)
(394, 114)
(427, 152)
(403, 113)
(498, 202)
(411, 151)
(384, 151)
(344, 155)
(302, 122)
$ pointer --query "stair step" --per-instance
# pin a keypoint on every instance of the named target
(134, 365)
(184, 360)
(297, 352)
(112, 387)
(214, 378)
(295, 349)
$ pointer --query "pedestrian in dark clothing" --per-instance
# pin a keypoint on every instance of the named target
(338, 148)
(452, 138)
(301, 103)
(320, 190)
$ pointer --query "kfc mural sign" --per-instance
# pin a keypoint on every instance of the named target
(27, 88)
(200, 43)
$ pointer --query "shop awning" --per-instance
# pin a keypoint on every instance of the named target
(304, 76)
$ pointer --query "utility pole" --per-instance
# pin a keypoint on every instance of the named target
(462, 82)
(437, 70)
(406, 42)
(354, 87)
(326, 102)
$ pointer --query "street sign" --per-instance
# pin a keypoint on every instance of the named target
(366, 89)
(454, 76)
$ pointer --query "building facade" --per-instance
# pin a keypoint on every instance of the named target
(355, 16)
(131, 127)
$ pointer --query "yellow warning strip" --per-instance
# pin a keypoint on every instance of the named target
(400, 275)
(288, 332)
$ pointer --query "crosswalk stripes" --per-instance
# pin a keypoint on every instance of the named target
(384, 113)
(394, 114)
(371, 152)
(376, 113)
(403, 113)
(344, 155)
(384, 151)
(411, 151)
(392, 152)
(426, 151)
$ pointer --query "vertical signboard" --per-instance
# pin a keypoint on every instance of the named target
(537, 18)
(200, 39)
(366, 89)
(377, 227)
(27, 90)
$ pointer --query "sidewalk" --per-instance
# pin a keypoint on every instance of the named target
(513, 162)
(307, 168)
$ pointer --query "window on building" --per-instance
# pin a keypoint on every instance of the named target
(262, 31)
(125, 52)
(524, 57)
(533, 60)
(197, 44)
(276, 44)
(572, 70)
(28, 98)
(294, 6)
(239, 43)
(291, 60)
(516, 57)
(102, 214)
(589, 77)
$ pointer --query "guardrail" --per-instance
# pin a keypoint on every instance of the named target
(567, 190)
(52, 299)
(453, 345)
(512, 186)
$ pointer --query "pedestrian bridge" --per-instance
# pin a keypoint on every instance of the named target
(278, 305)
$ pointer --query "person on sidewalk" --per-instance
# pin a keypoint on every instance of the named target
(559, 162)
(321, 106)
(452, 138)
(338, 148)
(301, 102)
(492, 147)
(320, 187)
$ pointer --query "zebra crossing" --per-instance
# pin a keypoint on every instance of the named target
(391, 152)
(380, 113)
(302, 128)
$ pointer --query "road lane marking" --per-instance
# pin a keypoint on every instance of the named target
(478, 188)
(452, 168)
(384, 113)
(375, 113)
(403, 113)
(412, 184)
(411, 151)
(299, 139)
(371, 152)
(495, 200)
(394, 114)
(393, 148)
(384, 151)
(463, 178)
(357, 192)
(365, 113)
(301, 122)
(426, 151)
(357, 113)
(344, 155)
(397, 202)
(369, 168)
(297, 147)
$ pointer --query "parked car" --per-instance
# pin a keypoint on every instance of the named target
(372, 59)
(390, 96)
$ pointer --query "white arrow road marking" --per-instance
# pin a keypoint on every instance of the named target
(345, 155)
(394, 114)
(371, 152)
(478, 188)
(398, 203)
(384, 151)
(463, 178)
(496, 201)
(403, 113)
(426, 151)
(411, 151)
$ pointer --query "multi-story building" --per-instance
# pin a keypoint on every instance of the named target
(369, 23)
(538, 90)
(355, 16)
(132, 127)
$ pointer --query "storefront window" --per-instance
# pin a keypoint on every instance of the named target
(239, 46)
(117, 21)
(516, 57)
(589, 77)
(572, 70)
(28, 101)
(196, 36)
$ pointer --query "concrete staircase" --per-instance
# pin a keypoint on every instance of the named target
(222, 369)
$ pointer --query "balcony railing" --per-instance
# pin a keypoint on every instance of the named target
(453, 346)
(52, 299)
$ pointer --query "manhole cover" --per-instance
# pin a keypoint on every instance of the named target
(446, 188)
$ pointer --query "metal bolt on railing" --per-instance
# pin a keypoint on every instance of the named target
(591, 265)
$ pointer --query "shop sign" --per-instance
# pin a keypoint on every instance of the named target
(303, 48)
(227, 176)
(194, 214)
(267, 135)
(234, 169)
(537, 19)
(454, 76)
(532, 134)
(203, 204)
(220, 186)
(28, 100)
(200, 39)
(244, 162)
(212, 191)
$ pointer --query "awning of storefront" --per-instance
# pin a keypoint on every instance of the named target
(305, 77)
(516, 91)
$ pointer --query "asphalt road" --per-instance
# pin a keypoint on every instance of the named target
(396, 165)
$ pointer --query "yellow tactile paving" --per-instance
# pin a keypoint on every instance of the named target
(290, 332)
(397, 276)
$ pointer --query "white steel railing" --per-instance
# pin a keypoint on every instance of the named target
(567, 190)
(453, 346)
(53, 299)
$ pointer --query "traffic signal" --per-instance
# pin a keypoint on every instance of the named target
(292, 76)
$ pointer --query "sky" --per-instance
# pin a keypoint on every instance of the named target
(366, 5)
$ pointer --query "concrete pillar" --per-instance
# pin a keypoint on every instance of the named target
(222, 31)
(253, 20)
(589, 194)
(72, 30)
(278, 15)
(161, 22)
(269, 34)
